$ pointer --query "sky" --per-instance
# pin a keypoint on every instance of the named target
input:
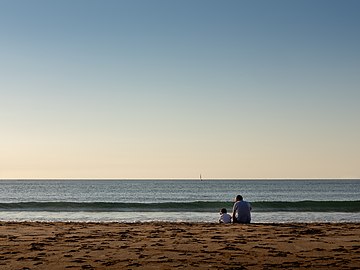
(170, 89)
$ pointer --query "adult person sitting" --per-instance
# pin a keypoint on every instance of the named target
(241, 211)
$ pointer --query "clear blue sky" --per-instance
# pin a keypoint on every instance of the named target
(172, 89)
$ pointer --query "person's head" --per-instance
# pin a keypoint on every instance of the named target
(223, 211)
(238, 198)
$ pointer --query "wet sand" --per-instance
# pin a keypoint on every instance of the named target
(33, 245)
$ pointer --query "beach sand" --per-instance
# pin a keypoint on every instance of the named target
(157, 245)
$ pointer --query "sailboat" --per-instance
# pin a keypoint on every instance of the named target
(200, 177)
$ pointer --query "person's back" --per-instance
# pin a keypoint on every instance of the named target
(241, 211)
(224, 216)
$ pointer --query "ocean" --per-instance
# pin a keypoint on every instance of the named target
(273, 201)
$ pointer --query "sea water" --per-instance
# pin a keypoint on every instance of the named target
(178, 200)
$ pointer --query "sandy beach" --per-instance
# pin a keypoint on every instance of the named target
(33, 245)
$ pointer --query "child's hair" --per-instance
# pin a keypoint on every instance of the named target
(223, 210)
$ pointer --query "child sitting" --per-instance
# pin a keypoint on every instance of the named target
(224, 216)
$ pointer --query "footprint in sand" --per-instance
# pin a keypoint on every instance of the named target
(87, 266)
(37, 246)
(79, 260)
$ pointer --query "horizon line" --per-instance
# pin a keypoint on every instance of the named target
(173, 179)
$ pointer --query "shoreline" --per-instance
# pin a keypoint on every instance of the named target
(178, 245)
(167, 222)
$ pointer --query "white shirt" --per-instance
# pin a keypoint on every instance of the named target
(225, 218)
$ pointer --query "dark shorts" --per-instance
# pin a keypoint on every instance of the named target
(241, 221)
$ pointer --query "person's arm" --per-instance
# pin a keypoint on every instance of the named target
(233, 214)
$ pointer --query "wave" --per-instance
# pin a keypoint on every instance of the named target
(199, 206)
